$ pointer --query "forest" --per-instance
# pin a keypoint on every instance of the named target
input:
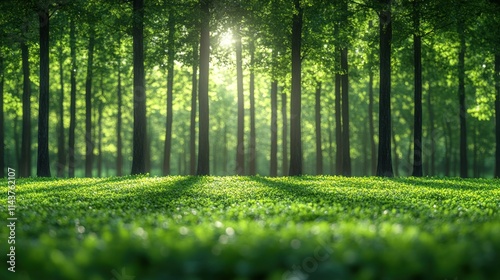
(387, 88)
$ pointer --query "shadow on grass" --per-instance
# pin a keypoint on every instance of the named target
(451, 183)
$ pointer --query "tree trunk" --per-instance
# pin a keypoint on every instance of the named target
(253, 156)
(417, 125)
(240, 142)
(284, 133)
(319, 150)
(430, 108)
(119, 143)
(338, 124)
(99, 139)
(273, 170)
(346, 147)
(396, 156)
(43, 163)
(89, 143)
(61, 152)
(203, 139)
(448, 149)
(371, 125)
(170, 96)
(295, 105)
(461, 99)
(497, 115)
(72, 109)
(2, 137)
(140, 136)
(194, 96)
(25, 164)
(384, 166)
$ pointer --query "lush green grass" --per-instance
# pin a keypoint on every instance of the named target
(255, 228)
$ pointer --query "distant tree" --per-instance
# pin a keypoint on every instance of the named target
(317, 110)
(72, 107)
(194, 96)
(140, 136)
(346, 146)
(240, 142)
(43, 163)
(119, 141)
(295, 105)
(203, 139)
(384, 164)
(61, 148)
(273, 169)
(252, 161)
(25, 164)
(284, 134)
(170, 89)
(89, 143)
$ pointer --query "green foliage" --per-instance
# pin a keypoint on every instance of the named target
(256, 228)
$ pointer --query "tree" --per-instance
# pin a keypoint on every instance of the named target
(25, 164)
(317, 110)
(384, 163)
(43, 164)
(61, 149)
(140, 137)
(417, 61)
(72, 107)
(203, 139)
(461, 101)
(295, 105)
(2, 129)
(170, 88)
(273, 168)
(240, 142)
(89, 143)
(194, 96)
(346, 147)
(252, 153)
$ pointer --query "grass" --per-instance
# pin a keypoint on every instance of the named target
(255, 228)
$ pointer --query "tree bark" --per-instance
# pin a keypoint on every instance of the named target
(461, 100)
(43, 163)
(240, 140)
(140, 132)
(72, 109)
(284, 133)
(203, 139)
(417, 124)
(497, 115)
(338, 124)
(273, 170)
(119, 142)
(25, 164)
(432, 130)
(319, 150)
(252, 153)
(194, 96)
(2, 127)
(61, 151)
(384, 164)
(170, 96)
(373, 146)
(346, 147)
(89, 143)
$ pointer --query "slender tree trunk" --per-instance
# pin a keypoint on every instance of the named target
(43, 163)
(273, 171)
(140, 131)
(61, 152)
(224, 152)
(417, 136)
(346, 147)
(2, 127)
(330, 146)
(432, 130)
(396, 155)
(295, 101)
(497, 115)
(338, 124)
(461, 99)
(319, 150)
(170, 96)
(25, 164)
(89, 143)
(475, 170)
(203, 139)
(194, 96)
(384, 166)
(72, 109)
(371, 125)
(253, 156)
(284, 133)
(448, 149)
(240, 140)
(99, 139)
(119, 143)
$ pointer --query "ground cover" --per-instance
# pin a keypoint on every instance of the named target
(310, 227)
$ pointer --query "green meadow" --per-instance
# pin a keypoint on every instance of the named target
(309, 227)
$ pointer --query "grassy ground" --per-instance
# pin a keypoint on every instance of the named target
(254, 228)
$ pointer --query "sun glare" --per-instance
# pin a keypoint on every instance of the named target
(226, 40)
